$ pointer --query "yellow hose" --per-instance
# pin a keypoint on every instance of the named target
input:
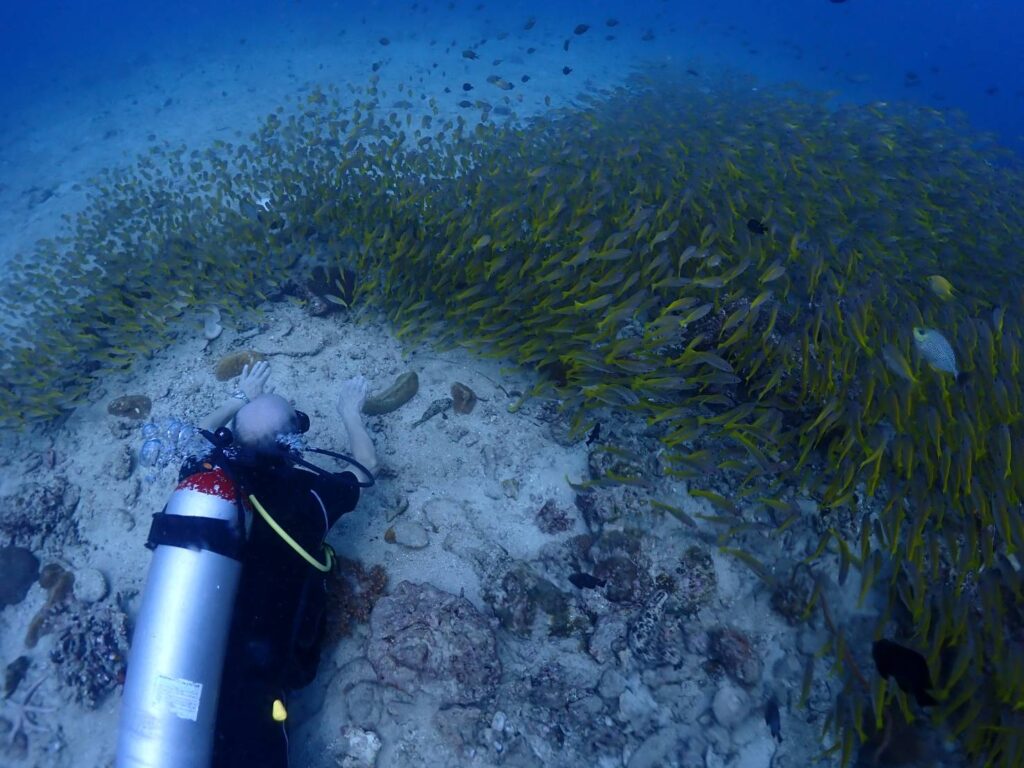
(324, 567)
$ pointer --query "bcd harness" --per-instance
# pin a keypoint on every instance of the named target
(223, 537)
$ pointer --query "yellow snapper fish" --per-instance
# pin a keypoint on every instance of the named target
(941, 287)
(936, 351)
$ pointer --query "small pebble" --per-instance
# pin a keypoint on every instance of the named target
(731, 705)
(211, 325)
(510, 487)
(463, 398)
(612, 684)
(498, 721)
(637, 707)
(410, 534)
(90, 585)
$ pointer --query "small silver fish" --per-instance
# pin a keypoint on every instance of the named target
(438, 406)
(936, 350)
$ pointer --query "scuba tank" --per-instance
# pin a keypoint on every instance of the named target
(169, 706)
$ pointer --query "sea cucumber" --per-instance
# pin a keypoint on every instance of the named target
(394, 397)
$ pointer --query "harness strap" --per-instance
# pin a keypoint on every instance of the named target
(196, 533)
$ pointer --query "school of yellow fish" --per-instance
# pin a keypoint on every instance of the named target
(804, 297)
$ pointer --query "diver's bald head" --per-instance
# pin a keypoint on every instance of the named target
(259, 422)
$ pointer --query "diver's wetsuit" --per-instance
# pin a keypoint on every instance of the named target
(277, 627)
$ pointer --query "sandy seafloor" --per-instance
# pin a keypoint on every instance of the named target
(469, 485)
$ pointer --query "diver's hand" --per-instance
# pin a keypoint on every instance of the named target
(253, 382)
(352, 395)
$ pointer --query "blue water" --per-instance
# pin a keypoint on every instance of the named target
(946, 53)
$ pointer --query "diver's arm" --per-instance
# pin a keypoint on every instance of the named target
(222, 415)
(350, 403)
(251, 383)
(362, 446)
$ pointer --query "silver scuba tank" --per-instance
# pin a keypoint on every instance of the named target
(169, 707)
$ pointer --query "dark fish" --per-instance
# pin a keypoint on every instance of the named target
(648, 36)
(991, 90)
(524, 78)
(908, 667)
(531, 49)
(14, 674)
(609, 37)
(580, 29)
(440, 405)
(612, 23)
(582, 580)
(566, 70)
(529, 23)
(757, 227)
(465, 104)
(469, 53)
(467, 87)
(595, 434)
(565, 45)
(772, 719)
(837, 2)
(693, 72)
(384, 41)
(376, 65)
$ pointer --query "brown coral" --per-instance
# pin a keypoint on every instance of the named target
(731, 650)
(58, 583)
(352, 591)
(552, 518)
(231, 365)
(698, 581)
(90, 651)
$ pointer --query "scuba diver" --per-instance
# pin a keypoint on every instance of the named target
(242, 535)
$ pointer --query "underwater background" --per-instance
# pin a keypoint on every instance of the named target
(698, 328)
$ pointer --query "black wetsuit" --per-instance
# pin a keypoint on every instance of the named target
(277, 625)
